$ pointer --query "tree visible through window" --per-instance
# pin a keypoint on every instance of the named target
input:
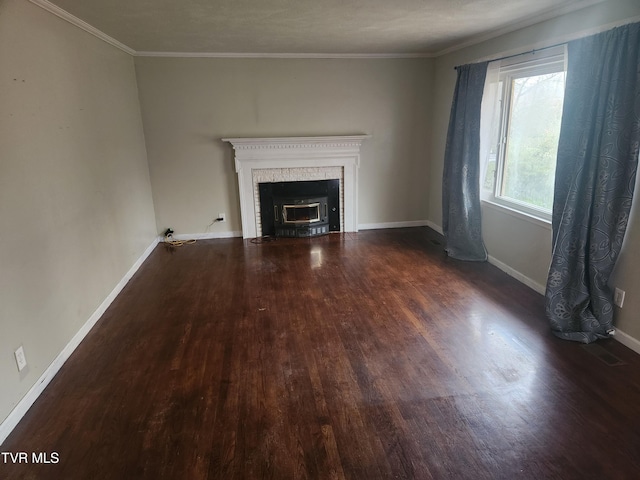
(524, 158)
(532, 139)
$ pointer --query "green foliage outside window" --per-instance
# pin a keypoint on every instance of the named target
(532, 139)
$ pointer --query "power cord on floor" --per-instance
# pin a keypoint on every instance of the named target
(180, 243)
(263, 239)
(168, 239)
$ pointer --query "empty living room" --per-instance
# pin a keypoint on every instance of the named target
(347, 240)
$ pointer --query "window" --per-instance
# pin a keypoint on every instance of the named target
(527, 97)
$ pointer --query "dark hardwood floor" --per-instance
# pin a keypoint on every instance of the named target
(361, 356)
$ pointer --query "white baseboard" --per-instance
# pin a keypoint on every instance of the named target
(627, 340)
(622, 337)
(81, 24)
(205, 236)
(376, 226)
(36, 390)
(517, 275)
(435, 227)
(237, 233)
(512, 272)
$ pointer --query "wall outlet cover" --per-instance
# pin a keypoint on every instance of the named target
(618, 297)
(21, 360)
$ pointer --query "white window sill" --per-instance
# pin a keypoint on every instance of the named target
(518, 214)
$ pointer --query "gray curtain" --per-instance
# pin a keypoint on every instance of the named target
(595, 178)
(461, 220)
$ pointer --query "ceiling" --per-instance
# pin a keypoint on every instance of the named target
(392, 27)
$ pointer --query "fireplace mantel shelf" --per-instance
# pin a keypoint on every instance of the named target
(252, 154)
(288, 148)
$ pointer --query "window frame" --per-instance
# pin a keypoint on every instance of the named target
(537, 63)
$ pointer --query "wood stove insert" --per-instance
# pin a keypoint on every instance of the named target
(300, 209)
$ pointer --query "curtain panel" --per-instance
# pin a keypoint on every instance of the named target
(595, 178)
(461, 214)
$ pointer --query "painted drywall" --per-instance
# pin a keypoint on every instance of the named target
(626, 275)
(189, 104)
(520, 245)
(75, 195)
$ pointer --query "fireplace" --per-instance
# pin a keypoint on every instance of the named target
(300, 208)
(284, 159)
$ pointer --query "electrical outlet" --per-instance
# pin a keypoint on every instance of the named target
(21, 360)
(618, 297)
(223, 216)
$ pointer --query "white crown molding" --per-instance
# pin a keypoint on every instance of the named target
(284, 55)
(63, 14)
(556, 12)
(562, 39)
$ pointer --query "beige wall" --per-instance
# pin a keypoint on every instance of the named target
(520, 245)
(75, 199)
(189, 104)
(75, 188)
(626, 276)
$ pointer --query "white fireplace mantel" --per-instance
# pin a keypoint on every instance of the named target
(291, 154)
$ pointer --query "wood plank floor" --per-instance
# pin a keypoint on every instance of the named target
(361, 356)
